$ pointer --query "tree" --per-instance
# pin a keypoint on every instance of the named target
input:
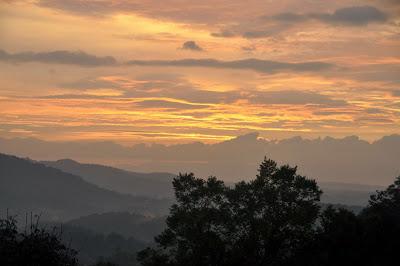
(371, 238)
(337, 240)
(261, 222)
(104, 263)
(32, 247)
(381, 219)
(196, 227)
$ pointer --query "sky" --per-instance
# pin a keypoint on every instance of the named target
(177, 71)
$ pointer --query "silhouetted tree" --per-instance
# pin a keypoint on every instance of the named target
(337, 240)
(33, 247)
(372, 238)
(104, 263)
(261, 222)
(381, 219)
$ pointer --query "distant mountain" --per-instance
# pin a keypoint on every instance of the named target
(346, 193)
(27, 186)
(328, 159)
(138, 226)
(157, 185)
(92, 246)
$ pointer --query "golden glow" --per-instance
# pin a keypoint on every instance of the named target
(359, 96)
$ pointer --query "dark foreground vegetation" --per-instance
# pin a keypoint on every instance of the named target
(275, 219)
(32, 246)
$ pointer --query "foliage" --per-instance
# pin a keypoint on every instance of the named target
(274, 219)
(381, 221)
(264, 221)
(372, 238)
(32, 247)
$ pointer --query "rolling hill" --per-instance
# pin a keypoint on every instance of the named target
(28, 186)
(138, 226)
(157, 185)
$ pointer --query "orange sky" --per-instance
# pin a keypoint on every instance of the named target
(118, 70)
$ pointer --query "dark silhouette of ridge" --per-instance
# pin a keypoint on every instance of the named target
(157, 185)
(134, 225)
(27, 186)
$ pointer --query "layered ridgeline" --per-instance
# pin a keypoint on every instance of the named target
(128, 225)
(158, 185)
(75, 189)
(28, 186)
(93, 246)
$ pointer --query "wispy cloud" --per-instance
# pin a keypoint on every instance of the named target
(272, 25)
(168, 104)
(295, 98)
(354, 16)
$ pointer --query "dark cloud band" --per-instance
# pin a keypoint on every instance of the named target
(263, 66)
(59, 57)
(88, 60)
(356, 16)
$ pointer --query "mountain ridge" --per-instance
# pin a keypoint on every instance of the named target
(158, 185)
(356, 160)
(28, 186)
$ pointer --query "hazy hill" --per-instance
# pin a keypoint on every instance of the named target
(159, 184)
(30, 186)
(92, 245)
(346, 193)
(145, 184)
(138, 226)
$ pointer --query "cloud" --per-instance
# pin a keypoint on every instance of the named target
(59, 57)
(272, 25)
(387, 3)
(290, 17)
(189, 11)
(83, 59)
(257, 34)
(354, 16)
(396, 93)
(164, 104)
(358, 15)
(191, 45)
(179, 93)
(292, 97)
(90, 7)
(263, 66)
(253, 29)
(375, 120)
(333, 112)
(224, 34)
(249, 48)
(90, 83)
(374, 111)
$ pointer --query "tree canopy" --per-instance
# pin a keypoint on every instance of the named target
(275, 219)
(33, 246)
(260, 222)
